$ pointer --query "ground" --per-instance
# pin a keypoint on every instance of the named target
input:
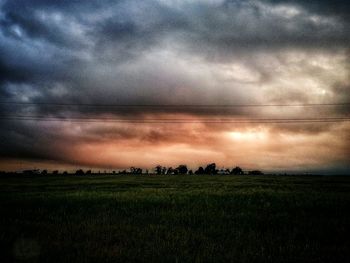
(174, 218)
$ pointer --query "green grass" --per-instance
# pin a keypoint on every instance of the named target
(175, 219)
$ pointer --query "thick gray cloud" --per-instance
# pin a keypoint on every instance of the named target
(338, 8)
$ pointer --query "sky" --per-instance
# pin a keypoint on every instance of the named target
(180, 53)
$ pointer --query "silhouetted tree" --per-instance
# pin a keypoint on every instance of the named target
(182, 169)
(55, 172)
(158, 169)
(190, 172)
(170, 170)
(200, 170)
(88, 172)
(65, 173)
(135, 170)
(44, 172)
(237, 170)
(210, 169)
(79, 172)
(164, 170)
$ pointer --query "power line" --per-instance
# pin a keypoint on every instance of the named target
(172, 105)
(179, 121)
(169, 119)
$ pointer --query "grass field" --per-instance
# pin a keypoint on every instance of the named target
(175, 219)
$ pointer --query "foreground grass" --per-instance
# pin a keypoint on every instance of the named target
(175, 219)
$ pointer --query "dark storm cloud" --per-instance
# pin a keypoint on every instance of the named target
(338, 8)
(70, 43)
(23, 19)
(26, 141)
(133, 27)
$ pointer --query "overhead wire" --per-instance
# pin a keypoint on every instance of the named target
(172, 120)
(172, 105)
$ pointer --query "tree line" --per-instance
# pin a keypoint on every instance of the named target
(182, 169)
(209, 169)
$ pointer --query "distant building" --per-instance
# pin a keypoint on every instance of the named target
(31, 172)
(223, 172)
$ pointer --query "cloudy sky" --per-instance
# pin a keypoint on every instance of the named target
(165, 53)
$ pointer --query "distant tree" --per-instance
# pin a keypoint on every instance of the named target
(182, 169)
(200, 170)
(210, 169)
(79, 172)
(55, 172)
(44, 172)
(135, 170)
(88, 172)
(158, 169)
(164, 169)
(190, 172)
(237, 170)
(65, 173)
(170, 170)
(256, 172)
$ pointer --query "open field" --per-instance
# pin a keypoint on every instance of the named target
(175, 219)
